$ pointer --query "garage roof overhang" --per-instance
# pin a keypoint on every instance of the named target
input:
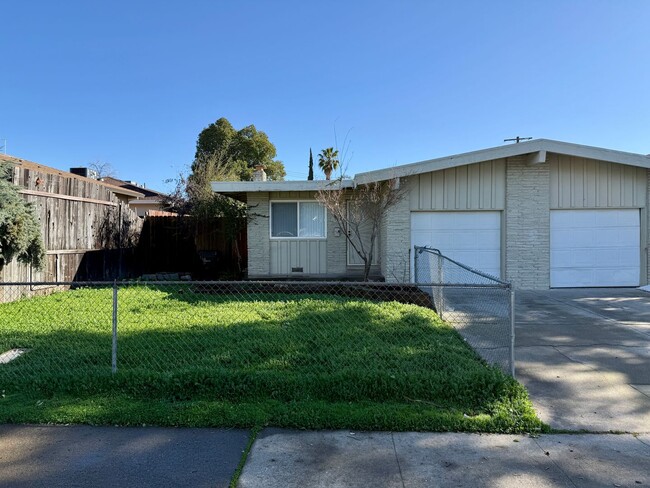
(535, 152)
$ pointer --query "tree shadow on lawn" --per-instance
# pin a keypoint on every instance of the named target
(298, 350)
(314, 354)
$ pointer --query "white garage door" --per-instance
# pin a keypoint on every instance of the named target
(595, 248)
(471, 238)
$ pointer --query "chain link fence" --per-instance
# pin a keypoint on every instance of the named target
(479, 306)
(339, 341)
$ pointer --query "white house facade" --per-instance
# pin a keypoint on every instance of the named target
(541, 214)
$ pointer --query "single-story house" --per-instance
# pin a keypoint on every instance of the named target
(540, 214)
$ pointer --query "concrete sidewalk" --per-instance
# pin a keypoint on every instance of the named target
(282, 458)
(69, 456)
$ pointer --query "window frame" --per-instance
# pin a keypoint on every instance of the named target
(297, 238)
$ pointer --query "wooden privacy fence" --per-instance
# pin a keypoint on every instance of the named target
(88, 232)
(183, 244)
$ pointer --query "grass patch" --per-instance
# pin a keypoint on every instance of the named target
(300, 361)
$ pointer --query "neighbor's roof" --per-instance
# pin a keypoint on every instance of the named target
(146, 201)
(23, 163)
(535, 149)
(147, 192)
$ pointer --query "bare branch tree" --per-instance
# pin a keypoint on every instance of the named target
(102, 170)
(359, 213)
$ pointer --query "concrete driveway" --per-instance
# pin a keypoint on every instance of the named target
(584, 355)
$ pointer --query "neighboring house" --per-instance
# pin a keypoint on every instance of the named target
(540, 213)
(149, 200)
(81, 218)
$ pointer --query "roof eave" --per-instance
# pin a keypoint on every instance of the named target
(277, 186)
(540, 146)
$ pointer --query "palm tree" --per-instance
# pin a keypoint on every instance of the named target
(328, 161)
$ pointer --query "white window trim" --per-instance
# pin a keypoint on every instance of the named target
(271, 202)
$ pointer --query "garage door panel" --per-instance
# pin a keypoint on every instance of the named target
(616, 274)
(471, 238)
(561, 237)
(609, 255)
(627, 234)
(628, 219)
(562, 258)
(463, 241)
(562, 221)
(420, 220)
(562, 276)
(606, 237)
(595, 248)
(582, 259)
(605, 219)
(627, 257)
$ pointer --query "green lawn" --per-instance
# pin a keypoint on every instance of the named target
(248, 360)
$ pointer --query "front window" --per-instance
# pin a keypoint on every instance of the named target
(297, 219)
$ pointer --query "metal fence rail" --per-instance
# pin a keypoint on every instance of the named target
(479, 306)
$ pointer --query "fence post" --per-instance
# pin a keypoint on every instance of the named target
(441, 298)
(114, 348)
(512, 331)
(415, 264)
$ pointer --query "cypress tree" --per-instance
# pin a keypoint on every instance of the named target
(310, 176)
(20, 230)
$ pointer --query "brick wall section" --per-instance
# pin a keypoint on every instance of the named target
(527, 219)
(259, 250)
(336, 248)
(396, 241)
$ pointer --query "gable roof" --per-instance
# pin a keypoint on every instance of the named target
(536, 151)
(536, 148)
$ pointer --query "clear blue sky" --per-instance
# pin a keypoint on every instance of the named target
(133, 83)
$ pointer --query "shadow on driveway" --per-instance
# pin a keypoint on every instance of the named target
(584, 355)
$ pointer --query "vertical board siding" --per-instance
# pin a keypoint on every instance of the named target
(308, 254)
(311, 255)
(479, 186)
(585, 183)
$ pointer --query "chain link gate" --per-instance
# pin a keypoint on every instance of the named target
(479, 306)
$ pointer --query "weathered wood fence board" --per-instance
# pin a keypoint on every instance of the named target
(87, 231)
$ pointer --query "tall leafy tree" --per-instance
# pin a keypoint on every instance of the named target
(328, 161)
(193, 195)
(241, 149)
(310, 176)
(20, 230)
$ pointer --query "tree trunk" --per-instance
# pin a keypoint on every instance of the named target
(366, 271)
(328, 173)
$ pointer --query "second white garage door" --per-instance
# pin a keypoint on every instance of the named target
(595, 248)
(472, 238)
